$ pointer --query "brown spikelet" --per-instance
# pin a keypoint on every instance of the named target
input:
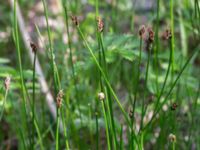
(174, 106)
(151, 35)
(167, 34)
(33, 47)
(149, 39)
(142, 31)
(59, 98)
(75, 20)
(130, 113)
(7, 83)
(100, 24)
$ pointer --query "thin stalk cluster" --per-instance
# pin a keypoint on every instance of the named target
(57, 85)
(109, 119)
(104, 76)
(22, 84)
(134, 125)
(65, 7)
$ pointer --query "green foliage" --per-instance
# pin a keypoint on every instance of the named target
(141, 85)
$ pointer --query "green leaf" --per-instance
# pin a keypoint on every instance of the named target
(123, 46)
(127, 54)
(5, 71)
(28, 74)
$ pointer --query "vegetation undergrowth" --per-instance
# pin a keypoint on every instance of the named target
(121, 74)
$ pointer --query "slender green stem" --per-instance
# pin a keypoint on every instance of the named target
(22, 138)
(110, 121)
(172, 31)
(114, 15)
(97, 7)
(43, 135)
(100, 76)
(138, 77)
(90, 122)
(4, 102)
(106, 123)
(69, 37)
(145, 90)
(64, 128)
(57, 85)
(16, 40)
(104, 66)
(53, 65)
(166, 77)
(18, 50)
(173, 145)
(39, 134)
(57, 129)
(157, 42)
(197, 14)
(71, 56)
(33, 99)
(103, 54)
(121, 138)
(97, 132)
(142, 140)
(136, 91)
(99, 42)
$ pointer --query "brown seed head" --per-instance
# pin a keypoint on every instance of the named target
(7, 83)
(59, 98)
(75, 20)
(174, 106)
(151, 35)
(142, 31)
(100, 24)
(33, 47)
(167, 34)
(130, 113)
